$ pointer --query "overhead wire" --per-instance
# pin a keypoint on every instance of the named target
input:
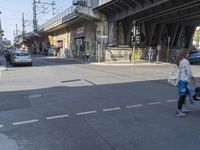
(48, 16)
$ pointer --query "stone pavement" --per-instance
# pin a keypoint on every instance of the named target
(114, 63)
(128, 63)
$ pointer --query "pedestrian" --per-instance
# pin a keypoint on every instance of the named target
(62, 52)
(130, 55)
(150, 54)
(88, 56)
(185, 75)
(139, 54)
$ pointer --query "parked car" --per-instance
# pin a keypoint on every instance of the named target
(20, 57)
(194, 57)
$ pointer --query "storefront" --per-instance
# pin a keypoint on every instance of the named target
(79, 42)
(59, 39)
(83, 39)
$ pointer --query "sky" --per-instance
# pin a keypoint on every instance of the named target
(11, 14)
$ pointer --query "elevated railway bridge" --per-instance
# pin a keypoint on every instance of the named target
(156, 20)
(168, 23)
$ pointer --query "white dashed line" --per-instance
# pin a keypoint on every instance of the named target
(56, 117)
(134, 106)
(154, 103)
(86, 113)
(111, 109)
(173, 100)
(25, 122)
(34, 96)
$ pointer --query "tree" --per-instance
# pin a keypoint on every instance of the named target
(196, 39)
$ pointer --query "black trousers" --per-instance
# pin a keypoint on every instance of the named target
(181, 101)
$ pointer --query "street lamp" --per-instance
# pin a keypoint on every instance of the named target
(134, 34)
(1, 35)
(168, 41)
(98, 45)
(158, 56)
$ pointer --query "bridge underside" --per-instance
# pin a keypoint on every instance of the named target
(157, 21)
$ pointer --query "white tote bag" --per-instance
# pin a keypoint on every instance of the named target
(174, 76)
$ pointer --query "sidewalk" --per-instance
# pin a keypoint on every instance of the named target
(128, 63)
(113, 63)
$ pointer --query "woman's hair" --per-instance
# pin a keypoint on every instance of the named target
(182, 54)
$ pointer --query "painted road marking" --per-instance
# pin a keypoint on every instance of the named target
(90, 112)
(25, 122)
(111, 109)
(134, 106)
(172, 100)
(86, 113)
(154, 103)
(34, 96)
(56, 117)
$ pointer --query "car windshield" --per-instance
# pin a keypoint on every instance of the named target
(22, 54)
(196, 53)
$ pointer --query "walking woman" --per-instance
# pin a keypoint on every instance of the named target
(185, 75)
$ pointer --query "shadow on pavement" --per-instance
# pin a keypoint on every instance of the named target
(142, 126)
(86, 93)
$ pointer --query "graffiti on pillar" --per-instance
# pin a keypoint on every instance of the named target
(113, 35)
(105, 28)
(121, 38)
(142, 34)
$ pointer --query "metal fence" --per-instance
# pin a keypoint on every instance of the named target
(58, 18)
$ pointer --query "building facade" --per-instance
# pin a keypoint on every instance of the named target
(74, 30)
(110, 29)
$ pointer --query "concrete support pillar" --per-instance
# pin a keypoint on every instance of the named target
(172, 31)
(150, 29)
(159, 31)
(190, 30)
(128, 25)
(120, 35)
(178, 36)
(112, 35)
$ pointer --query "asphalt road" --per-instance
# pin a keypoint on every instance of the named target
(61, 104)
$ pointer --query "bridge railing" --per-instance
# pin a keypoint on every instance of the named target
(58, 18)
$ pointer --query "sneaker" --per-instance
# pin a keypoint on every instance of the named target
(179, 113)
(185, 110)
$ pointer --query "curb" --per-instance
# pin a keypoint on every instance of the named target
(119, 63)
(132, 64)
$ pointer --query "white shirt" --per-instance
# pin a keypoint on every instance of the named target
(185, 70)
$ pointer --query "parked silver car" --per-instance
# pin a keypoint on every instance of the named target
(20, 57)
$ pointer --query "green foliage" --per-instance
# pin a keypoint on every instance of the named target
(196, 37)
